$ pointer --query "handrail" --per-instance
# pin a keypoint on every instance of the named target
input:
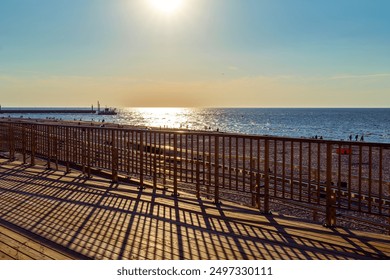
(249, 169)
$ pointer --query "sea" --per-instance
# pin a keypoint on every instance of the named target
(328, 123)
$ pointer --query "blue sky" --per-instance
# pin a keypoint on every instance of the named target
(256, 53)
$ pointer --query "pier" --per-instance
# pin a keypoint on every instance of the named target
(127, 193)
(47, 111)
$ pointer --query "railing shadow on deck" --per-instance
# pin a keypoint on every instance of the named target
(103, 220)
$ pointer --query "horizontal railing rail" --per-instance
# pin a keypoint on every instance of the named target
(335, 178)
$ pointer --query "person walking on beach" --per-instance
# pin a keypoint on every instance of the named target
(356, 137)
(362, 138)
(350, 137)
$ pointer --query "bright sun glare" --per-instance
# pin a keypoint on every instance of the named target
(167, 7)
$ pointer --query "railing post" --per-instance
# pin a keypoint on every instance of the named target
(253, 188)
(216, 169)
(128, 156)
(175, 165)
(89, 152)
(48, 146)
(11, 142)
(197, 178)
(67, 150)
(154, 166)
(266, 179)
(55, 145)
(24, 143)
(330, 220)
(33, 144)
(114, 163)
(83, 155)
(141, 160)
(258, 203)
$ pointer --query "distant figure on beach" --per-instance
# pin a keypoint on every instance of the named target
(356, 137)
(350, 137)
(362, 138)
(321, 138)
(316, 137)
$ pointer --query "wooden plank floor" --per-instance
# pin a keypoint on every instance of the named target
(97, 219)
(17, 246)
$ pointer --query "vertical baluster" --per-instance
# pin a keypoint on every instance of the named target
(284, 170)
(114, 156)
(89, 154)
(134, 160)
(192, 158)
(292, 171)
(300, 170)
(243, 164)
(209, 165)
(197, 168)
(216, 169)
(380, 180)
(369, 178)
(165, 158)
(186, 151)
(237, 165)
(48, 128)
(258, 181)
(24, 143)
(175, 165)
(181, 157)
(251, 172)
(155, 160)
(150, 153)
(309, 173)
(330, 209)
(223, 162)
(67, 148)
(33, 144)
(141, 160)
(230, 162)
(275, 166)
(339, 174)
(360, 177)
(318, 172)
(204, 159)
(266, 183)
(350, 177)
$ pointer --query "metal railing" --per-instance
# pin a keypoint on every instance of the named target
(328, 178)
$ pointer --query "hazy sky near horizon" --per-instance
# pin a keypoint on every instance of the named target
(207, 53)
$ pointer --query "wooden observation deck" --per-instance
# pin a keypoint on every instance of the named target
(90, 192)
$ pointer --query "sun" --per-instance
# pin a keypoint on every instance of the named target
(167, 7)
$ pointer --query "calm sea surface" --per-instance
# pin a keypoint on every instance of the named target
(335, 124)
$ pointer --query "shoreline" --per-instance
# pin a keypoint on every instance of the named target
(106, 124)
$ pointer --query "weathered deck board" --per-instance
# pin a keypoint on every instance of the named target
(14, 245)
(101, 220)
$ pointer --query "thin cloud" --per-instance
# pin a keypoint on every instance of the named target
(341, 77)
